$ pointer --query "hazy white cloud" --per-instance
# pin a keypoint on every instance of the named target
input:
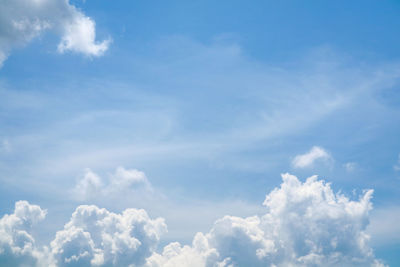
(127, 179)
(396, 167)
(350, 166)
(91, 185)
(305, 224)
(23, 20)
(5, 145)
(308, 159)
(384, 227)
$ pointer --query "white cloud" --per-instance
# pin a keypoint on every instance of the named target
(23, 20)
(305, 224)
(17, 246)
(92, 237)
(128, 179)
(97, 237)
(80, 36)
(91, 186)
(350, 166)
(308, 159)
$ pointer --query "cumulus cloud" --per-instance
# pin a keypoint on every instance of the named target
(17, 245)
(305, 224)
(91, 185)
(23, 20)
(97, 237)
(92, 237)
(308, 159)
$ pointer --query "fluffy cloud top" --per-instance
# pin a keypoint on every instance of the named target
(97, 237)
(17, 246)
(308, 159)
(93, 237)
(23, 20)
(305, 224)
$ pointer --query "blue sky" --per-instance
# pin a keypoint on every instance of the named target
(212, 101)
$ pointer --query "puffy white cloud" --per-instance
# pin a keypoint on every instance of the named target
(23, 20)
(200, 254)
(80, 36)
(91, 186)
(92, 237)
(97, 237)
(17, 245)
(306, 224)
(308, 159)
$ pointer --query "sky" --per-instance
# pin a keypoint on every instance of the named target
(199, 133)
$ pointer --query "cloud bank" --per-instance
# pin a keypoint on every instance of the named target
(305, 224)
(23, 20)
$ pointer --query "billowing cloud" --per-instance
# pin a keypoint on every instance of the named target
(23, 20)
(92, 186)
(97, 237)
(17, 246)
(305, 224)
(92, 237)
(308, 159)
